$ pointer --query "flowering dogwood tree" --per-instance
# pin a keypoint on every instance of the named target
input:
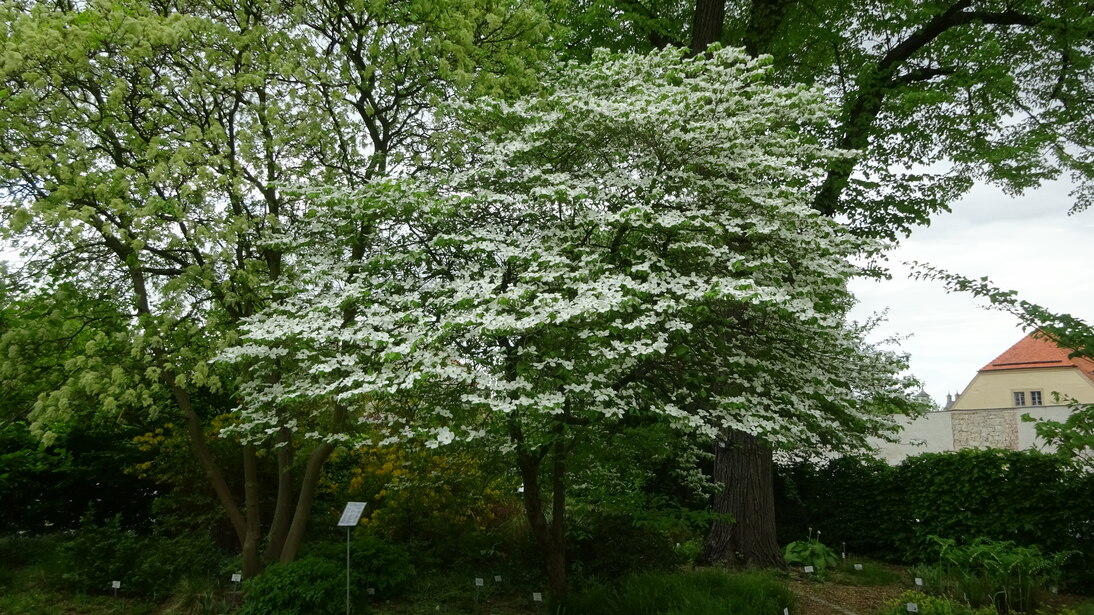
(635, 241)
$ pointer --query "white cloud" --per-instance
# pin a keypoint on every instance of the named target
(1027, 243)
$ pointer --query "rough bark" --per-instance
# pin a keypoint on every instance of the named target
(550, 534)
(707, 24)
(308, 486)
(279, 525)
(252, 564)
(744, 467)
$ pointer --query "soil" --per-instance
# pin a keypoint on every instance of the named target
(835, 599)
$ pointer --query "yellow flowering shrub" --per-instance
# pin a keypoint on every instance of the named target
(421, 493)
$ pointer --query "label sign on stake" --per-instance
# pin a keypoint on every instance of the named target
(808, 569)
(858, 566)
(913, 607)
(537, 597)
(497, 578)
(351, 514)
(116, 584)
(237, 577)
(919, 581)
(371, 591)
(478, 582)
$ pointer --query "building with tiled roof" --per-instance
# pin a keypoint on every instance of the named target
(1034, 377)
(1030, 373)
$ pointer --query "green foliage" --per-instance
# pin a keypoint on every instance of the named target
(98, 554)
(375, 564)
(309, 585)
(890, 511)
(36, 602)
(700, 592)
(987, 572)
(932, 605)
(811, 552)
(868, 573)
(598, 541)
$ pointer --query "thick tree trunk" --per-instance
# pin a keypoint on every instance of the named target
(707, 24)
(744, 467)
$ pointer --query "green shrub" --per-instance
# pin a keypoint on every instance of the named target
(597, 542)
(888, 512)
(98, 554)
(932, 605)
(701, 592)
(811, 552)
(375, 564)
(989, 572)
(309, 585)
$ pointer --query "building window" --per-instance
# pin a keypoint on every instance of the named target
(1019, 398)
(1035, 398)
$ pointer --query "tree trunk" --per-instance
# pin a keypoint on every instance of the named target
(279, 525)
(550, 535)
(252, 564)
(707, 24)
(745, 468)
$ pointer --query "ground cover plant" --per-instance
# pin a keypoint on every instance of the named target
(698, 592)
(813, 553)
(989, 572)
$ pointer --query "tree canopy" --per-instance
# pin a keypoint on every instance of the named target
(635, 242)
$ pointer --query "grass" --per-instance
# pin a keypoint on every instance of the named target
(36, 602)
(699, 592)
(870, 574)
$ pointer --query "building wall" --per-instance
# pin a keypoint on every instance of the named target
(954, 430)
(930, 433)
(994, 389)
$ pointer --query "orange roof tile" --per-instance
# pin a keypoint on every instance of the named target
(1038, 350)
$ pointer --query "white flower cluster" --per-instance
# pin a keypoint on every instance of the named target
(638, 241)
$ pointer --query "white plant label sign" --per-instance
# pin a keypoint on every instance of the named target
(913, 607)
(537, 597)
(808, 569)
(858, 566)
(478, 582)
(237, 577)
(116, 584)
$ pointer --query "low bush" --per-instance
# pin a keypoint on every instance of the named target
(701, 592)
(96, 555)
(988, 572)
(310, 585)
(811, 552)
(375, 564)
(606, 548)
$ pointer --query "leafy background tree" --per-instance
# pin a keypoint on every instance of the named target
(148, 149)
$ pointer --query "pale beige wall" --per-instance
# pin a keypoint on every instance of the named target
(937, 432)
(994, 389)
(1027, 434)
(930, 433)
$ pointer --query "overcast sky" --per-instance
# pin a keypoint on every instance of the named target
(1028, 244)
